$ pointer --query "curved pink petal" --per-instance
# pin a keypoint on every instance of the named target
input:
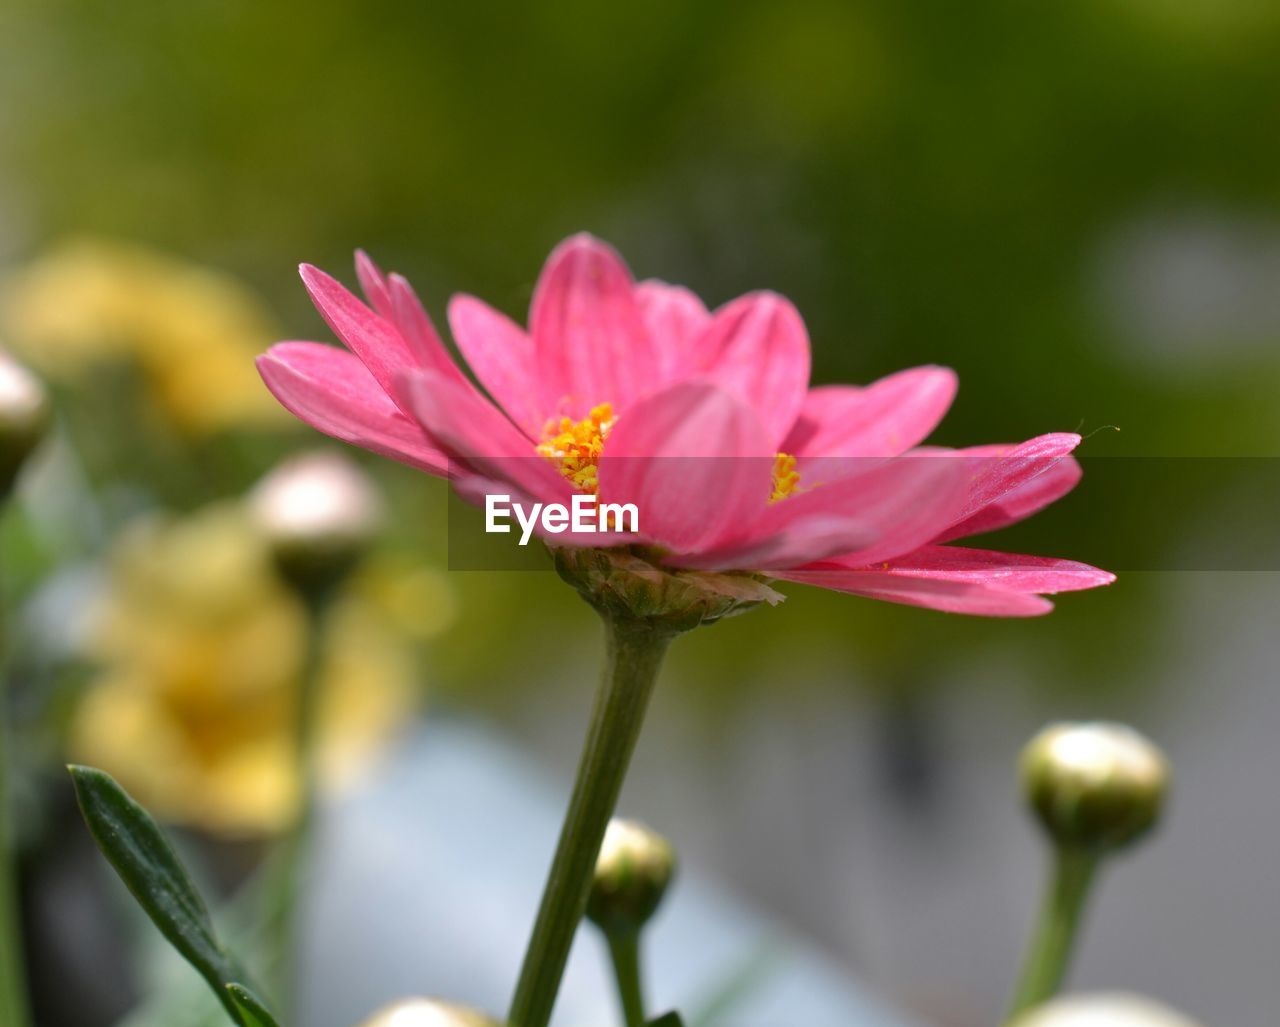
(694, 460)
(475, 433)
(947, 596)
(959, 580)
(891, 508)
(413, 323)
(886, 418)
(1022, 501)
(590, 342)
(373, 283)
(759, 351)
(331, 390)
(501, 355)
(998, 474)
(677, 321)
(1009, 572)
(377, 343)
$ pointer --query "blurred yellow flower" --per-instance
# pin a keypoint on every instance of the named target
(201, 648)
(192, 332)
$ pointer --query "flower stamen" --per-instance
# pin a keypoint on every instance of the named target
(786, 479)
(575, 446)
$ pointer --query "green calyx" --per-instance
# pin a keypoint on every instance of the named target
(630, 584)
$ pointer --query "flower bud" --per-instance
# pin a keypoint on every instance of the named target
(24, 419)
(1094, 786)
(1104, 1011)
(633, 871)
(426, 1012)
(319, 514)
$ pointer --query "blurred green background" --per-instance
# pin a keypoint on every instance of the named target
(1075, 206)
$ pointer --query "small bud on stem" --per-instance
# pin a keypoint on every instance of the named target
(319, 514)
(633, 871)
(24, 419)
(1096, 787)
(632, 874)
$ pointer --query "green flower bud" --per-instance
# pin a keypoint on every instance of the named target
(24, 418)
(1094, 787)
(633, 871)
(634, 586)
(426, 1012)
(319, 514)
(1104, 1011)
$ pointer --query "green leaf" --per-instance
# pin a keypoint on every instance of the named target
(252, 1009)
(671, 1019)
(146, 862)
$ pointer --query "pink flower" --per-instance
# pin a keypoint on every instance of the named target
(704, 419)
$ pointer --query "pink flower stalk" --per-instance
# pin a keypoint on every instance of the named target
(703, 419)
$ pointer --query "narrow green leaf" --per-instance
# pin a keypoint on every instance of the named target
(146, 862)
(252, 1009)
(671, 1019)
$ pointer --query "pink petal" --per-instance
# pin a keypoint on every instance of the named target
(1008, 572)
(590, 341)
(948, 596)
(501, 355)
(760, 352)
(886, 418)
(999, 473)
(694, 460)
(332, 391)
(958, 579)
(892, 508)
(411, 319)
(472, 431)
(1022, 501)
(677, 321)
(374, 340)
(373, 283)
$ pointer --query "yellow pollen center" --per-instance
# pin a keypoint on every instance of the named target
(575, 446)
(786, 479)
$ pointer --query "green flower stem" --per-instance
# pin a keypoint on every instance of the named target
(13, 990)
(624, 950)
(632, 660)
(1049, 956)
(290, 861)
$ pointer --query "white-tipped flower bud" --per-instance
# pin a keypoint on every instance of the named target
(1094, 786)
(426, 1012)
(632, 874)
(24, 419)
(1104, 1011)
(319, 514)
